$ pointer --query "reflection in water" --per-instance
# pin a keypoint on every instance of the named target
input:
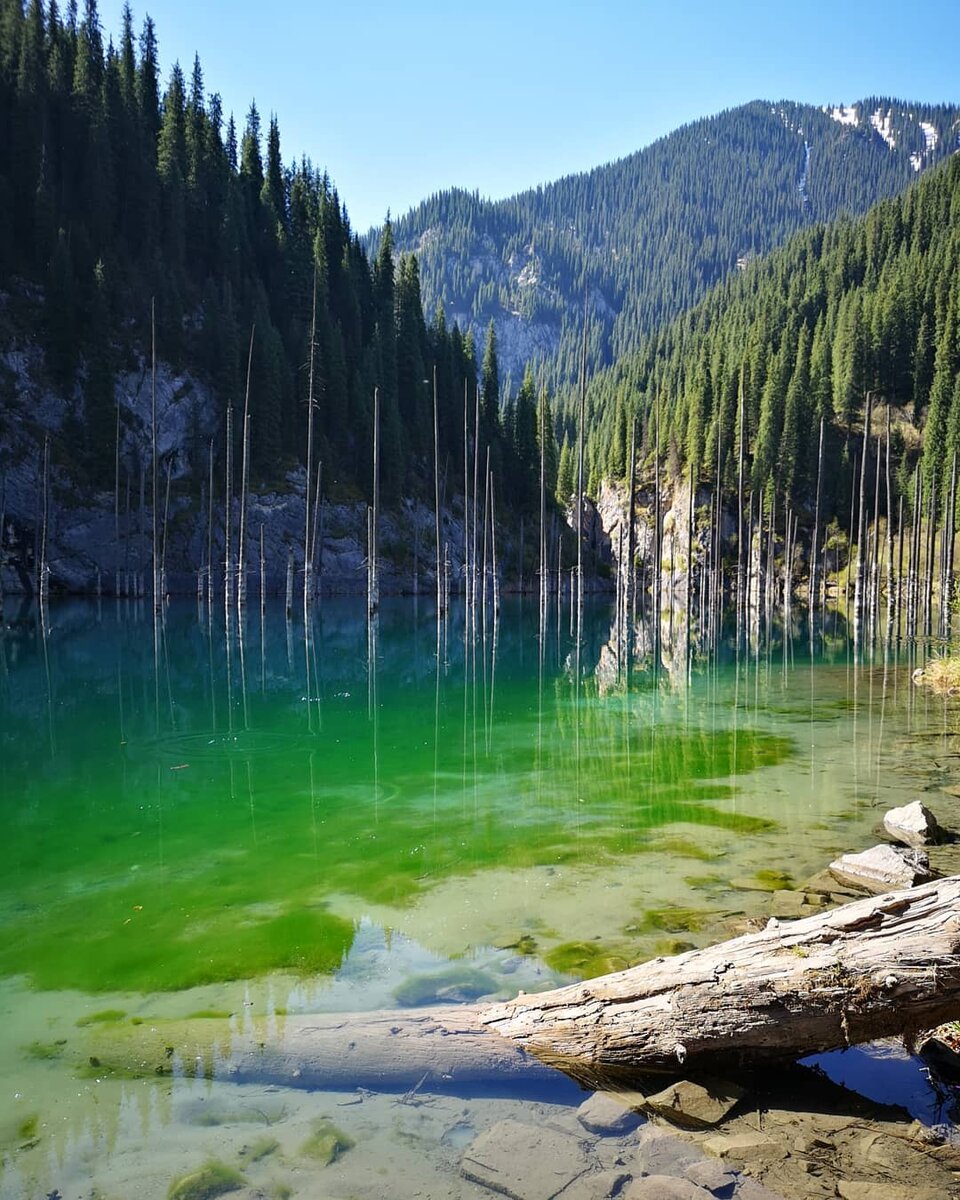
(180, 841)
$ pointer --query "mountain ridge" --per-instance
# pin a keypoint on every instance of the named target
(645, 236)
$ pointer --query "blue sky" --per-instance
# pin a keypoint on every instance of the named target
(399, 100)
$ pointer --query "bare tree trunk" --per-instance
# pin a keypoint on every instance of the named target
(210, 531)
(373, 579)
(43, 580)
(740, 556)
(946, 595)
(228, 517)
(812, 598)
(116, 509)
(163, 535)
(861, 523)
(914, 567)
(889, 538)
(153, 451)
(879, 967)
(436, 492)
(307, 539)
(870, 969)
(466, 501)
(581, 434)
(244, 486)
(628, 595)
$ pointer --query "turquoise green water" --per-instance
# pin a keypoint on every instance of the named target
(197, 822)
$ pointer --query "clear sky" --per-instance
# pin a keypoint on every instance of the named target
(399, 100)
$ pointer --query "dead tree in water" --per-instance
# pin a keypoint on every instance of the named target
(373, 531)
(436, 492)
(812, 598)
(878, 967)
(307, 540)
(153, 451)
(244, 486)
(228, 517)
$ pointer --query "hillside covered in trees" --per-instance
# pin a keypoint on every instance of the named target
(645, 238)
(843, 311)
(120, 193)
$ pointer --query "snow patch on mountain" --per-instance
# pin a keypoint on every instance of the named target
(884, 126)
(843, 115)
(930, 135)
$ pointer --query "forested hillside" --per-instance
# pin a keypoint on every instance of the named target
(118, 192)
(646, 237)
(855, 307)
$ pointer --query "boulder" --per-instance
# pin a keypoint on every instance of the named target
(607, 1114)
(695, 1105)
(882, 869)
(913, 825)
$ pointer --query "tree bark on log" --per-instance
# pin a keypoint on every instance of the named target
(875, 968)
(878, 967)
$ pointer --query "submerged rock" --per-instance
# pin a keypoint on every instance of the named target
(914, 825)
(882, 868)
(524, 1161)
(695, 1105)
(212, 1179)
(665, 1187)
(608, 1114)
(458, 985)
(327, 1143)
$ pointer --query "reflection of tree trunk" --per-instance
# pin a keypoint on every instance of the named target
(878, 967)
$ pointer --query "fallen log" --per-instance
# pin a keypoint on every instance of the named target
(874, 968)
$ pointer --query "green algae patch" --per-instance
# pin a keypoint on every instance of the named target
(585, 959)
(28, 1127)
(211, 1180)
(326, 1143)
(458, 985)
(672, 919)
(104, 1017)
(262, 1148)
(45, 1051)
(670, 947)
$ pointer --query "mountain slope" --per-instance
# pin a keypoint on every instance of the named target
(647, 236)
(856, 309)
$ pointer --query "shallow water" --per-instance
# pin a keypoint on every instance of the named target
(198, 823)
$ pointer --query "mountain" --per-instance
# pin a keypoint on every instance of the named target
(136, 217)
(855, 318)
(644, 238)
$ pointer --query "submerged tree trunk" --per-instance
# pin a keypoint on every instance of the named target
(878, 967)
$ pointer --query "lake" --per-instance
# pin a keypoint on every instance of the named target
(234, 829)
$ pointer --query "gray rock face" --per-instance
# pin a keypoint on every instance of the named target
(914, 825)
(882, 869)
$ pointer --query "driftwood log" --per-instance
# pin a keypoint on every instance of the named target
(887, 965)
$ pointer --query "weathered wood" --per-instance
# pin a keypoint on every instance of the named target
(871, 969)
(875, 968)
(436, 1049)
